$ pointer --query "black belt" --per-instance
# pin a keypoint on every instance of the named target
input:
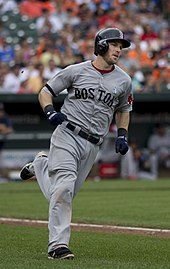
(83, 134)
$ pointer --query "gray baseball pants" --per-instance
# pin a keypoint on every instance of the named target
(60, 177)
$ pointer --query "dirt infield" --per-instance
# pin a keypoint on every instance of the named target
(92, 227)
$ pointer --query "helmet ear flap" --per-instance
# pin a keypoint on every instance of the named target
(102, 47)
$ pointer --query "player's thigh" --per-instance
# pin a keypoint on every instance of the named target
(61, 159)
(84, 167)
(62, 169)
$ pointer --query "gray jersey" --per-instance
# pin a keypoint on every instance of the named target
(93, 96)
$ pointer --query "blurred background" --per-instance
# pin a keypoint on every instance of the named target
(39, 38)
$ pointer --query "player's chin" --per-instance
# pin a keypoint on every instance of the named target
(112, 60)
(115, 59)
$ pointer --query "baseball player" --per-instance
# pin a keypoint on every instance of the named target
(97, 90)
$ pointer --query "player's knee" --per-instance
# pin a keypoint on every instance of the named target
(62, 184)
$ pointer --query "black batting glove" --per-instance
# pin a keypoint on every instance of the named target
(121, 144)
(55, 118)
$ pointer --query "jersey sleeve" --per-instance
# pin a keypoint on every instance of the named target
(61, 81)
(126, 99)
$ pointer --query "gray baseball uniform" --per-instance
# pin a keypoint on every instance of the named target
(93, 97)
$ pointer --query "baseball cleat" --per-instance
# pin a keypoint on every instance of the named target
(27, 171)
(61, 253)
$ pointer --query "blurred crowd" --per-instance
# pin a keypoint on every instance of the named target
(65, 32)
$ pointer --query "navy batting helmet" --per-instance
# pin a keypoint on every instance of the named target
(105, 35)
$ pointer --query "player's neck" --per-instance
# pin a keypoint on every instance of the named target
(102, 65)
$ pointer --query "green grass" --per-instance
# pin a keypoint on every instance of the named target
(26, 247)
(117, 202)
(139, 203)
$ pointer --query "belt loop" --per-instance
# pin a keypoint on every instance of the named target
(100, 141)
(64, 123)
(77, 130)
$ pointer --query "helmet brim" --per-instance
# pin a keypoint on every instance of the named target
(125, 42)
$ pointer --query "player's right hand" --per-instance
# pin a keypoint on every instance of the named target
(56, 118)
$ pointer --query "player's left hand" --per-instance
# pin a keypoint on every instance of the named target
(121, 145)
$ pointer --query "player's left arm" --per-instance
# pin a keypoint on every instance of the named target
(122, 118)
(122, 122)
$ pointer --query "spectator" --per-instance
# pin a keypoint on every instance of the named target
(7, 5)
(129, 165)
(25, 87)
(138, 80)
(127, 63)
(3, 72)
(5, 129)
(33, 74)
(87, 49)
(36, 81)
(106, 17)
(87, 19)
(159, 145)
(1, 84)
(71, 6)
(138, 164)
(67, 58)
(151, 84)
(12, 80)
(79, 58)
(139, 53)
(4, 33)
(7, 53)
(164, 39)
(50, 70)
(72, 18)
(33, 8)
(149, 39)
(50, 52)
(23, 52)
(48, 23)
(164, 82)
(148, 34)
(76, 41)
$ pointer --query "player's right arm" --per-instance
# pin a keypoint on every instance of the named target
(46, 102)
(45, 98)
(61, 81)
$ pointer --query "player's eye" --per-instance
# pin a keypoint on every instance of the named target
(116, 44)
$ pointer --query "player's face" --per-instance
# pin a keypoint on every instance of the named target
(112, 55)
